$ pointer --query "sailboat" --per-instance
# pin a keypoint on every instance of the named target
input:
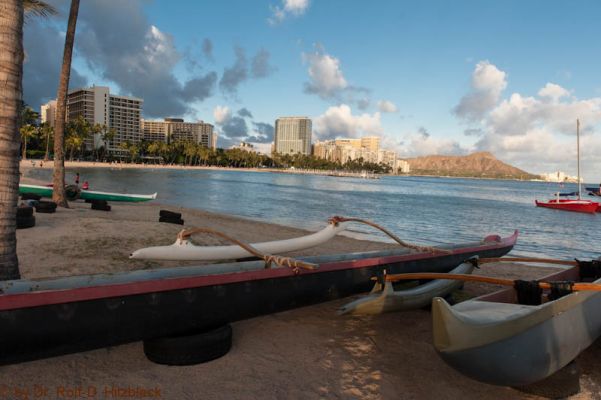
(576, 205)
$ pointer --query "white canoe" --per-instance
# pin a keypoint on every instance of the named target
(383, 299)
(184, 250)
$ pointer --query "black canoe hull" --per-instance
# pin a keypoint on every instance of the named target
(31, 329)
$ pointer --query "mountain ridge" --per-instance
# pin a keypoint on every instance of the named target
(482, 164)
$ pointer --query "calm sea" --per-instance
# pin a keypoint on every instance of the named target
(417, 209)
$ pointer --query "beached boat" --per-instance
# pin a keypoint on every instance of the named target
(48, 317)
(46, 191)
(384, 298)
(184, 250)
(494, 339)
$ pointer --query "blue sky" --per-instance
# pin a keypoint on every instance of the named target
(513, 75)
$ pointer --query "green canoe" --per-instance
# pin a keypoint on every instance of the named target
(46, 191)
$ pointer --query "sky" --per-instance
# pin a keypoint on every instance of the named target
(429, 77)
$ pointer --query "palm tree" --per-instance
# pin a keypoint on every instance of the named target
(11, 74)
(26, 131)
(58, 180)
(47, 131)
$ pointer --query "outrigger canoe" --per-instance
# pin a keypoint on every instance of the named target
(384, 298)
(185, 250)
(496, 340)
(46, 191)
(49, 317)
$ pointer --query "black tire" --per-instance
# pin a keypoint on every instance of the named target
(46, 211)
(99, 202)
(177, 221)
(48, 206)
(30, 196)
(101, 207)
(190, 349)
(170, 214)
(72, 192)
(24, 211)
(25, 222)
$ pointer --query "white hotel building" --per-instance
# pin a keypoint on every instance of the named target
(98, 106)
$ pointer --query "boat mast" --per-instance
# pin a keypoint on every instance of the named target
(578, 155)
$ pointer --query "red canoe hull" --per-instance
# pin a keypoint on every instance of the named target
(583, 206)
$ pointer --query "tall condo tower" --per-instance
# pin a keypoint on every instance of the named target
(293, 135)
(98, 106)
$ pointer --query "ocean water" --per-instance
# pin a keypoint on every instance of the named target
(418, 209)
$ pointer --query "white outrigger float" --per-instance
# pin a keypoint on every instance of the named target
(384, 298)
(184, 250)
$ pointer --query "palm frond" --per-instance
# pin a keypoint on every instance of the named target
(38, 8)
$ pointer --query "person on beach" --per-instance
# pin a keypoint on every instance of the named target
(77, 178)
(85, 186)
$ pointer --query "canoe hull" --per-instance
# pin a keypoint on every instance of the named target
(533, 354)
(45, 191)
(81, 313)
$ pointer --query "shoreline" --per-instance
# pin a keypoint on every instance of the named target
(114, 165)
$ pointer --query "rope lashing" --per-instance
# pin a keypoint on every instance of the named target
(337, 219)
(560, 289)
(292, 263)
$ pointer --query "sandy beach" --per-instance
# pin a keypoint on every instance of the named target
(306, 353)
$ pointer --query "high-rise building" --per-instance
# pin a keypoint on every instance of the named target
(293, 135)
(371, 143)
(48, 112)
(175, 129)
(98, 106)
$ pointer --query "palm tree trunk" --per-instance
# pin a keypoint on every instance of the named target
(58, 179)
(11, 74)
(47, 144)
(24, 148)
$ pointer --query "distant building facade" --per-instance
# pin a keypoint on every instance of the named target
(343, 150)
(48, 112)
(560, 176)
(98, 106)
(293, 135)
(176, 129)
(402, 167)
(246, 147)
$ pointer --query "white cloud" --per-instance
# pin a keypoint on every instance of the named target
(488, 82)
(221, 114)
(553, 92)
(535, 133)
(325, 76)
(387, 106)
(339, 121)
(288, 8)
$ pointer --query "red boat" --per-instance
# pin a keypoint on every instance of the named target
(584, 206)
(598, 204)
(576, 205)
